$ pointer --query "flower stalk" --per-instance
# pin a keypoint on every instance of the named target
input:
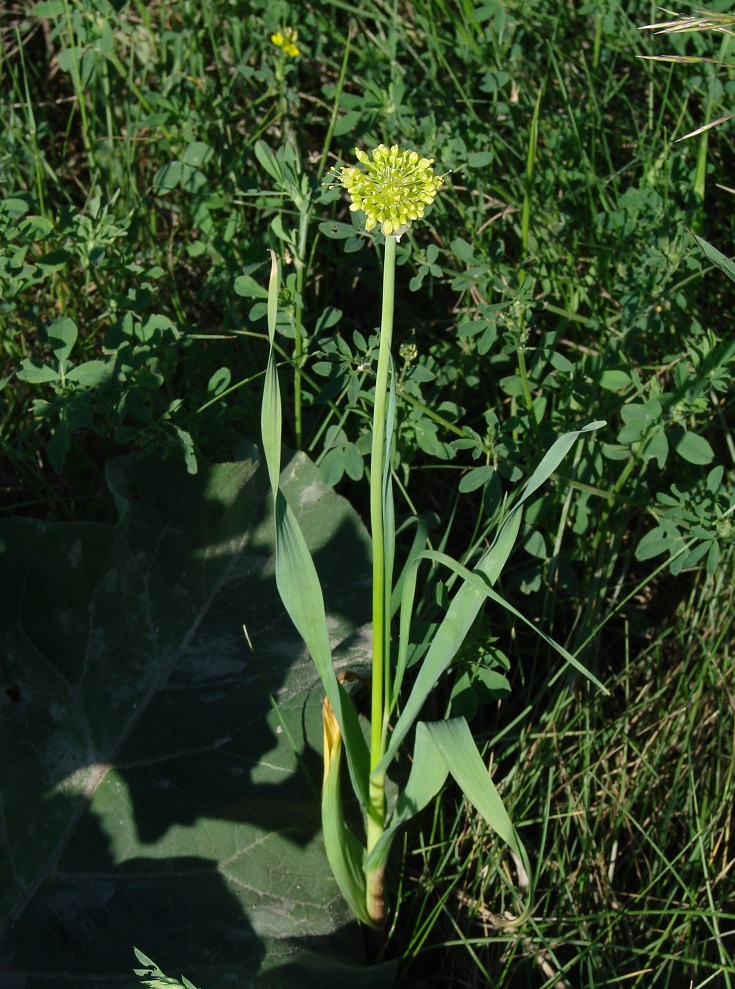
(393, 191)
(382, 583)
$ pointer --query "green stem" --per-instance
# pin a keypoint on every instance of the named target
(300, 263)
(528, 184)
(523, 373)
(79, 91)
(335, 104)
(430, 414)
(381, 593)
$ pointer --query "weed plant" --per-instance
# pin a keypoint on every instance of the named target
(150, 154)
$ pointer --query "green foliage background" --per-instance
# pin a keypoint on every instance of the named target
(151, 153)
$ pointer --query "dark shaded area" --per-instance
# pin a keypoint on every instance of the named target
(139, 722)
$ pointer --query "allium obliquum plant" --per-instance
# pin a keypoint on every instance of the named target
(393, 191)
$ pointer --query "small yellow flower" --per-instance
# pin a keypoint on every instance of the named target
(395, 190)
(286, 40)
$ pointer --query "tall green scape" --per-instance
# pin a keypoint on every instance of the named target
(393, 191)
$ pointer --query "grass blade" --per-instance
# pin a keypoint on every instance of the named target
(713, 255)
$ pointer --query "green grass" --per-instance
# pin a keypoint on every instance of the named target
(554, 282)
(627, 804)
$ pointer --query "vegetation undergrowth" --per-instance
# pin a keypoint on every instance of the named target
(572, 270)
(626, 803)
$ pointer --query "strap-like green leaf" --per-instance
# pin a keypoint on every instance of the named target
(419, 543)
(296, 576)
(481, 585)
(447, 640)
(454, 742)
(444, 747)
(403, 595)
(404, 630)
(270, 409)
(344, 852)
(426, 778)
(716, 257)
(554, 456)
(456, 746)
(466, 603)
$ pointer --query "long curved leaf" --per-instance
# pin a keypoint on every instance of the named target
(427, 777)
(480, 583)
(456, 746)
(466, 603)
(448, 638)
(344, 851)
(296, 575)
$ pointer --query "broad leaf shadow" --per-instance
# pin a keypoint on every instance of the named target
(154, 788)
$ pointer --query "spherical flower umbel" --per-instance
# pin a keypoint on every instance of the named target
(396, 188)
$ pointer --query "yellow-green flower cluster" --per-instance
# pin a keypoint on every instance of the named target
(286, 40)
(395, 190)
